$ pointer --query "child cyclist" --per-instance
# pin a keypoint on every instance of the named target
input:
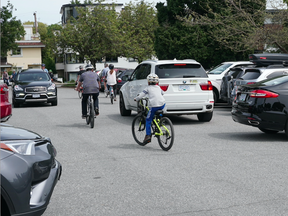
(156, 102)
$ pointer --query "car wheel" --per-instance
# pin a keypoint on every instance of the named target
(215, 96)
(205, 117)
(15, 104)
(123, 110)
(268, 131)
(54, 103)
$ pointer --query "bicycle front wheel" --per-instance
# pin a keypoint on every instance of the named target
(92, 114)
(167, 139)
(139, 129)
(80, 94)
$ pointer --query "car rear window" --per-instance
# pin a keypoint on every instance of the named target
(251, 74)
(274, 81)
(180, 71)
(29, 77)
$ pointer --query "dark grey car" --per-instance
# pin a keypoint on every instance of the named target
(33, 85)
(29, 171)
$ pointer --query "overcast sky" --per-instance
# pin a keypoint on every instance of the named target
(48, 11)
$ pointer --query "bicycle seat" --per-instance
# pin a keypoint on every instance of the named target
(158, 112)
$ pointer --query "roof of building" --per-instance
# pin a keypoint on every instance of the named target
(30, 44)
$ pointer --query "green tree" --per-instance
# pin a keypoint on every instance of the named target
(11, 30)
(137, 23)
(239, 25)
(93, 35)
(174, 39)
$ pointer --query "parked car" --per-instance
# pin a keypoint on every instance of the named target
(5, 105)
(123, 77)
(252, 76)
(263, 105)
(216, 74)
(33, 85)
(185, 83)
(29, 171)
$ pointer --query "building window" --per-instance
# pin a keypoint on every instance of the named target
(72, 58)
(112, 59)
(132, 60)
(59, 59)
(16, 52)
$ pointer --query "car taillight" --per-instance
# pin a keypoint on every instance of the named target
(206, 86)
(179, 64)
(251, 82)
(119, 80)
(3, 90)
(263, 58)
(263, 94)
(164, 87)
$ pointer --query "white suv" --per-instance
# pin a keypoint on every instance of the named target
(217, 73)
(185, 83)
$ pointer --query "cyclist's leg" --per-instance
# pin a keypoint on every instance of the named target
(114, 90)
(84, 104)
(96, 103)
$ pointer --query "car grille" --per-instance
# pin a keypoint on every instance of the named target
(35, 89)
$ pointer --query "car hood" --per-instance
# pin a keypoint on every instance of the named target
(8, 132)
(34, 83)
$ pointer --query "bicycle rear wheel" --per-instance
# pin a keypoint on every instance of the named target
(111, 98)
(88, 112)
(167, 139)
(92, 114)
(139, 129)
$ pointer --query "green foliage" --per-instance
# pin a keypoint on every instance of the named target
(137, 24)
(213, 40)
(239, 24)
(11, 29)
(75, 2)
(94, 34)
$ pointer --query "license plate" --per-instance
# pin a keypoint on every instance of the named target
(36, 95)
(184, 88)
(242, 97)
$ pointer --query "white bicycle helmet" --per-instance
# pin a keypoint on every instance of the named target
(152, 79)
(89, 67)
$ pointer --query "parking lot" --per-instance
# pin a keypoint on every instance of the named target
(214, 168)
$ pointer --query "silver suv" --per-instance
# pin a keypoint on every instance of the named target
(187, 89)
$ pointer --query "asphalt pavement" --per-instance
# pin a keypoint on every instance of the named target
(218, 168)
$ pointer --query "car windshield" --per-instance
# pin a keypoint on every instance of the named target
(29, 77)
(180, 71)
(274, 81)
(219, 69)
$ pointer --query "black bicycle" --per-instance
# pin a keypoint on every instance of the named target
(90, 112)
(161, 126)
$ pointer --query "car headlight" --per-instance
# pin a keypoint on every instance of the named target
(24, 147)
(18, 88)
(52, 86)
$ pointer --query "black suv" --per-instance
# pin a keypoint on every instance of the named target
(33, 85)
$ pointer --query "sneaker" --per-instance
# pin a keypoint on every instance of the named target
(84, 116)
(114, 99)
(147, 139)
(96, 111)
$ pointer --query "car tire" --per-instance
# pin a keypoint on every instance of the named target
(54, 103)
(123, 110)
(205, 117)
(15, 104)
(268, 131)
